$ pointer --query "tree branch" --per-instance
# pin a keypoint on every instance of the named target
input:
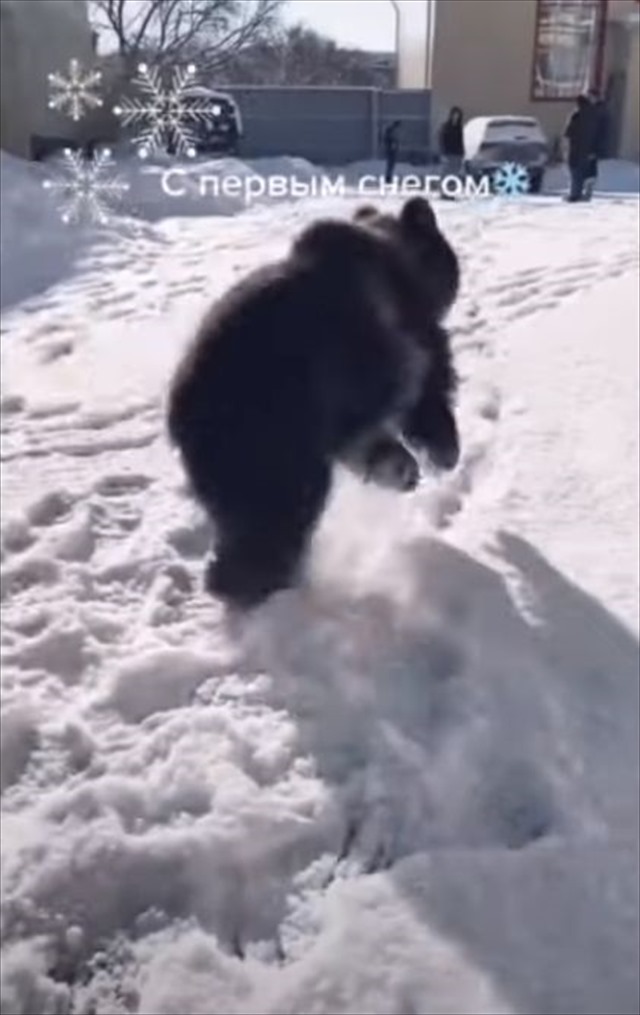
(208, 31)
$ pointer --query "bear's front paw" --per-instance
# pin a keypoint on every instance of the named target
(393, 467)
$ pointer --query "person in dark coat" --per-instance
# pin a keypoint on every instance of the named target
(451, 144)
(581, 135)
(600, 142)
(391, 144)
(451, 139)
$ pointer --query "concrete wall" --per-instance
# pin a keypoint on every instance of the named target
(36, 38)
(330, 126)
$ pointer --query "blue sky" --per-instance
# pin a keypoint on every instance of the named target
(367, 24)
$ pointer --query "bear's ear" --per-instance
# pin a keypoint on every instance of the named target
(417, 215)
(365, 213)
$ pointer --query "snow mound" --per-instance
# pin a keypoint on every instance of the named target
(158, 681)
(615, 176)
(37, 249)
(202, 187)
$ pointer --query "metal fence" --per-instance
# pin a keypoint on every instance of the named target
(331, 126)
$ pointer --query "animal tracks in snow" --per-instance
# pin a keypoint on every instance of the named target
(191, 542)
(529, 291)
(72, 433)
(24, 575)
(50, 509)
(56, 350)
(11, 405)
(122, 485)
(61, 542)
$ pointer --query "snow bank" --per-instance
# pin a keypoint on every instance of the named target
(202, 187)
(615, 176)
(38, 250)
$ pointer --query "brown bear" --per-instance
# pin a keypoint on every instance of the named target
(335, 354)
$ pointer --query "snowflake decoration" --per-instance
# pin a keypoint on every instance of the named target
(75, 94)
(511, 180)
(86, 186)
(166, 119)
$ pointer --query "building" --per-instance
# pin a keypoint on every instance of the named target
(533, 57)
(36, 38)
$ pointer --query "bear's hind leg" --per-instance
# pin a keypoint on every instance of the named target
(260, 550)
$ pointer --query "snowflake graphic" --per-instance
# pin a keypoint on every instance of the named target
(75, 94)
(86, 185)
(166, 119)
(511, 180)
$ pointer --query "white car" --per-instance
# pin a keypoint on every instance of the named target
(492, 141)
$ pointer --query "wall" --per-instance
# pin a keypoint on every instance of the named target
(482, 61)
(483, 55)
(36, 38)
(412, 42)
(630, 126)
(329, 126)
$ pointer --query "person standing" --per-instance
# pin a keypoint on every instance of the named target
(451, 145)
(580, 136)
(391, 144)
(601, 130)
(451, 141)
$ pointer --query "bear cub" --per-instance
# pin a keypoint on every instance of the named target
(335, 354)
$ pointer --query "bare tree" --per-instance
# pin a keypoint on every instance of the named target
(209, 31)
(299, 56)
(311, 59)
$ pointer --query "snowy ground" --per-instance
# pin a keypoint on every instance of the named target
(411, 786)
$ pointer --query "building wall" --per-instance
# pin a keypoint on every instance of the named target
(483, 56)
(412, 42)
(36, 38)
(630, 127)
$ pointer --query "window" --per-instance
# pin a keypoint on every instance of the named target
(568, 47)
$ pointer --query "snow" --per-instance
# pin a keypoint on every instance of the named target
(412, 784)
(38, 251)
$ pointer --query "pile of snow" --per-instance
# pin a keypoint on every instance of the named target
(615, 176)
(35, 250)
(38, 249)
(409, 786)
(165, 188)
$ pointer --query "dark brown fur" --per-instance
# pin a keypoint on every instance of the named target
(325, 356)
